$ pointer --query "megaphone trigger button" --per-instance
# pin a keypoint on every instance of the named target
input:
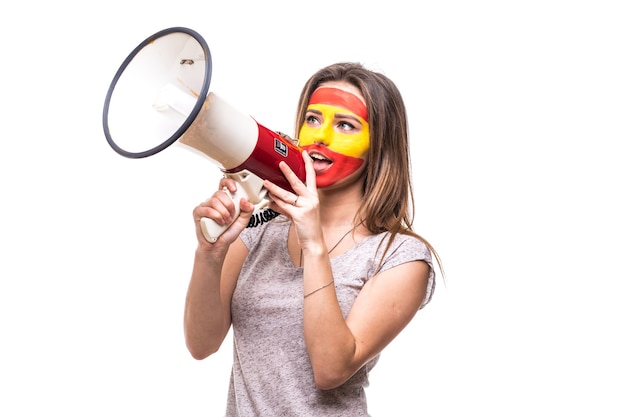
(288, 138)
(284, 136)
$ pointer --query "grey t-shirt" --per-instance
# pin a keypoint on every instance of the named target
(271, 373)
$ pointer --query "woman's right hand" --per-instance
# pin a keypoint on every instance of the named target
(221, 209)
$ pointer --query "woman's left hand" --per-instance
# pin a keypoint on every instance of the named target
(302, 205)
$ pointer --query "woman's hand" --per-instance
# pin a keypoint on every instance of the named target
(302, 205)
(221, 209)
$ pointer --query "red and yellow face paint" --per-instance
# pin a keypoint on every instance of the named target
(335, 133)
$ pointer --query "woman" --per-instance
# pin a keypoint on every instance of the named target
(315, 294)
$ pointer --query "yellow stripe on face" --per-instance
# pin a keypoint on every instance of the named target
(331, 129)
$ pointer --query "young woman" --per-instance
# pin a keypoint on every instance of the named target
(315, 295)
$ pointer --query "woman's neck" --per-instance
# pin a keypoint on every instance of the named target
(339, 206)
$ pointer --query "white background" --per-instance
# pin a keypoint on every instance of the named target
(517, 118)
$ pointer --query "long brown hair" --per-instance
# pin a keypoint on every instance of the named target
(388, 201)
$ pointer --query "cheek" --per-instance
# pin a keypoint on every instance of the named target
(305, 136)
(355, 145)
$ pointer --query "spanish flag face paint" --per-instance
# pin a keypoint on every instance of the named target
(335, 133)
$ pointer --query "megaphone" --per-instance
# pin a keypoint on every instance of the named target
(160, 96)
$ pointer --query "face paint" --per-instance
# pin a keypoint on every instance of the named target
(331, 167)
(339, 98)
(335, 133)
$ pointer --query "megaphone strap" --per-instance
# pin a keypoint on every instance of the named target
(262, 216)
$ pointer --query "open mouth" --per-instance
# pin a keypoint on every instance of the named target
(320, 162)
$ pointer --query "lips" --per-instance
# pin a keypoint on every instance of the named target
(321, 162)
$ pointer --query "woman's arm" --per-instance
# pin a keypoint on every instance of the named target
(207, 306)
(216, 268)
(339, 347)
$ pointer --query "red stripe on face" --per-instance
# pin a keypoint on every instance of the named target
(342, 166)
(339, 98)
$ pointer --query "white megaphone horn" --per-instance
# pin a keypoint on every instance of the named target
(160, 95)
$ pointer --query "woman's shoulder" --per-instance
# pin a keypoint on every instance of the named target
(406, 248)
(400, 243)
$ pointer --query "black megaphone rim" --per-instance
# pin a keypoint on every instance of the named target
(195, 111)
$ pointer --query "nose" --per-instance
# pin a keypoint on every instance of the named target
(323, 135)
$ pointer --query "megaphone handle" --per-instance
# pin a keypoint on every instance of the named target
(249, 186)
(210, 228)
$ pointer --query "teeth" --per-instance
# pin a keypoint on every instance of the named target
(318, 157)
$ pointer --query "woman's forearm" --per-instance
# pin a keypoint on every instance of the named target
(205, 320)
(330, 344)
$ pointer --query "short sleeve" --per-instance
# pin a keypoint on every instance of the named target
(409, 249)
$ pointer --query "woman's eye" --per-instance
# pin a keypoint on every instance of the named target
(312, 120)
(346, 126)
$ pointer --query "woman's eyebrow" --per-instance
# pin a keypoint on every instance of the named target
(347, 116)
(336, 115)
